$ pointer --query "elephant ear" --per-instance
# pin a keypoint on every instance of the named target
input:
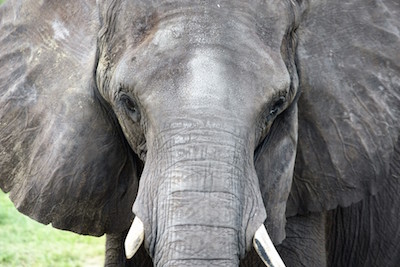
(62, 156)
(348, 60)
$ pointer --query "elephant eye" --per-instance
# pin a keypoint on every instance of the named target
(277, 106)
(129, 104)
(131, 107)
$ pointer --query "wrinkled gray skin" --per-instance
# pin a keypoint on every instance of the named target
(210, 118)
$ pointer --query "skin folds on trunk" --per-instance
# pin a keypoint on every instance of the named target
(206, 204)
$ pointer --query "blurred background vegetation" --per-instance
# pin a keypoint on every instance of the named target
(24, 242)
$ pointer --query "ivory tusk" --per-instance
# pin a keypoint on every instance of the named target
(134, 238)
(266, 249)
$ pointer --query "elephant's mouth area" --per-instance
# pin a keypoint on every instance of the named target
(215, 253)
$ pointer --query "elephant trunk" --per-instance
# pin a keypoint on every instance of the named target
(198, 227)
(206, 203)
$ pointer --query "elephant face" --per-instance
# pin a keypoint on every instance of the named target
(195, 99)
(190, 111)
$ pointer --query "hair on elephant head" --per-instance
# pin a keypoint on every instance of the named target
(212, 121)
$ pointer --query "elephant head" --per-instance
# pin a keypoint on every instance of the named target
(190, 111)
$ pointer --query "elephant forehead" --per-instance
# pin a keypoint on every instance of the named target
(255, 25)
(249, 28)
(210, 79)
(223, 73)
(202, 53)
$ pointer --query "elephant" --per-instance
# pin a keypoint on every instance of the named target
(207, 133)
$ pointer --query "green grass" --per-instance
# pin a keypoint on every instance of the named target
(24, 242)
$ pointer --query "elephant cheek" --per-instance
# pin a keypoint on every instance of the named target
(275, 178)
(274, 163)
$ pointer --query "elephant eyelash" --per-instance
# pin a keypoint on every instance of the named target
(129, 104)
(275, 109)
(117, 93)
(131, 107)
(277, 105)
